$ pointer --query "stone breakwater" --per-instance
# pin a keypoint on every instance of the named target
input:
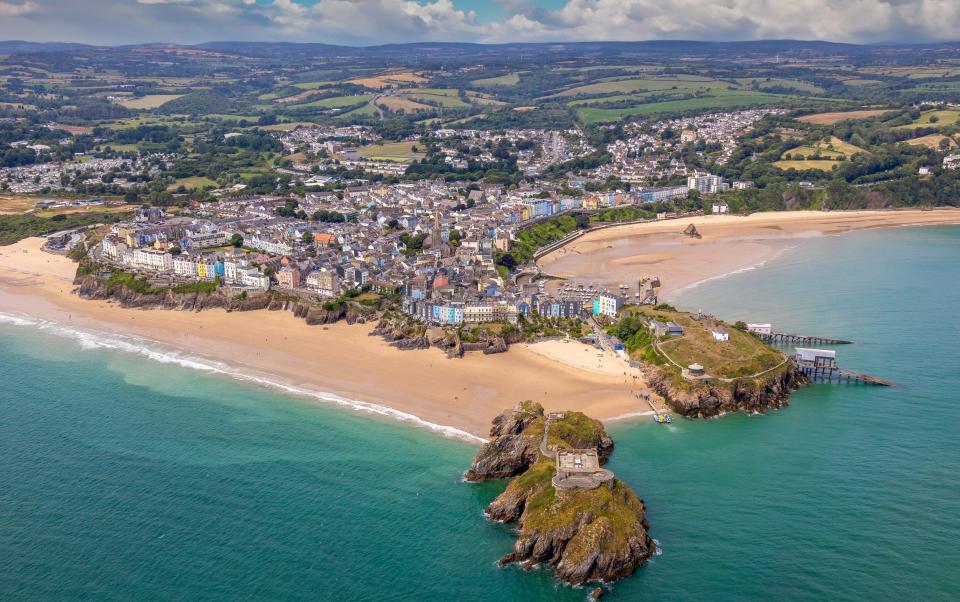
(586, 534)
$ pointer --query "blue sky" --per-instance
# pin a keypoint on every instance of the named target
(365, 22)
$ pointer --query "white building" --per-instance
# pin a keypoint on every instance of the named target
(607, 305)
(254, 278)
(184, 266)
(273, 247)
(705, 183)
(152, 259)
(760, 328)
(721, 334)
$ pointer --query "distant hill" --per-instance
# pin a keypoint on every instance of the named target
(21, 47)
(457, 51)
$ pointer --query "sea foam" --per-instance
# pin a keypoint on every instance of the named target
(97, 340)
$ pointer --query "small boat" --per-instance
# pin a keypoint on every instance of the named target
(662, 418)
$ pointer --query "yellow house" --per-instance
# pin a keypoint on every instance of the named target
(201, 269)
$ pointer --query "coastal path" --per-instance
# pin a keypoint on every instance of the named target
(543, 443)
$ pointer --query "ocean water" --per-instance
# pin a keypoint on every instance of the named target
(124, 477)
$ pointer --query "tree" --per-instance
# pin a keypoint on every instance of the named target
(740, 325)
(307, 238)
(508, 261)
(236, 240)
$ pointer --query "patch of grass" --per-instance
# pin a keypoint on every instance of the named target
(337, 102)
(193, 183)
(838, 116)
(14, 228)
(392, 151)
(678, 83)
(312, 85)
(834, 148)
(401, 103)
(932, 141)
(509, 79)
(776, 82)
(150, 101)
(721, 100)
(742, 355)
(800, 165)
(933, 118)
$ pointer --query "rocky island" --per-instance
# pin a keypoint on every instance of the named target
(571, 514)
(702, 366)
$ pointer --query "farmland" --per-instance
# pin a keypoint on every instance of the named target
(725, 100)
(800, 165)
(932, 141)
(389, 80)
(151, 101)
(833, 148)
(934, 118)
(510, 79)
(836, 117)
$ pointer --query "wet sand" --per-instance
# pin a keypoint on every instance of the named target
(624, 254)
(341, 359)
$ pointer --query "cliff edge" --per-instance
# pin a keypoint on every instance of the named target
(587, 533)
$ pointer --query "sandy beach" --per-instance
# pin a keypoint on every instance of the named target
(623, 254)
(340, 359)
(425, 386)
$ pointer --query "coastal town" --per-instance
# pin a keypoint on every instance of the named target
(447, 249)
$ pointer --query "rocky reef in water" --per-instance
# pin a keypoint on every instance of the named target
(585, 535)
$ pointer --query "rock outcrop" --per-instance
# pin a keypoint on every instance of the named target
(512, 448)
(712, 398)
(585, 535)
(91, 287)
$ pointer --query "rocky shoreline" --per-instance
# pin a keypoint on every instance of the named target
(585, 534)
(713, 398)
(395, 328)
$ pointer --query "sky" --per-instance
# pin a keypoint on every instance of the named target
(370, 22)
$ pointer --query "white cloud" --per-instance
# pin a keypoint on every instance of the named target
(18, 9)
(393, 21)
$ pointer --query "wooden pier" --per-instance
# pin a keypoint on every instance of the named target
(784, 338)
(820, 365)
(843, 376)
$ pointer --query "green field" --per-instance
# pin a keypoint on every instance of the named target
(935, 118)
(150, 101)
(445, 97)
(800, 165)
(681, 83)
(765, 83)
(392, 151)
(193, 183)
(510, 79)
(728, 100)
(834, 148)
(313, 85)
(337, 102)
(742, 355)
(367, 109)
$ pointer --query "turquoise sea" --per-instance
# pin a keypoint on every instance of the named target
(130, 477)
